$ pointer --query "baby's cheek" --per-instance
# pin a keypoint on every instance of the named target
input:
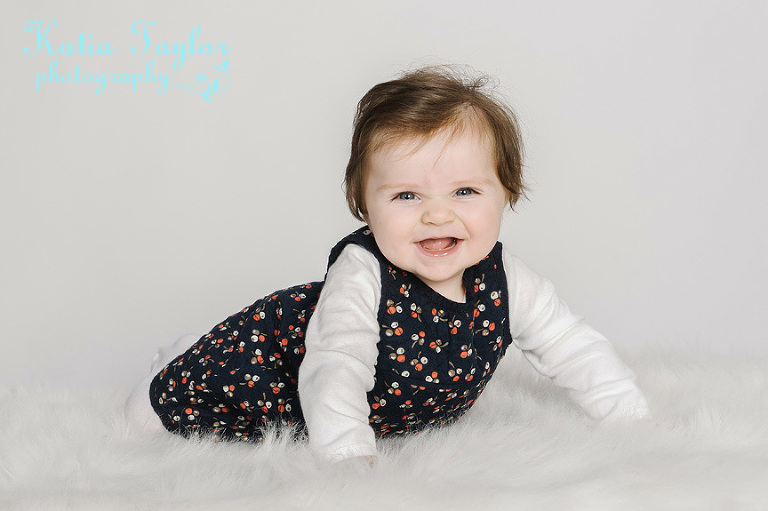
(391, 253)
(488, 218)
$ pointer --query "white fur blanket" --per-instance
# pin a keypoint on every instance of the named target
(523, 446)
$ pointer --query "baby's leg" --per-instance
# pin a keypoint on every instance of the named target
(138, 409)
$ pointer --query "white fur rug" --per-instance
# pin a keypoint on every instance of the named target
(523, 446)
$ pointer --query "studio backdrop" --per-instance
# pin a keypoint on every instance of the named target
(163, 164)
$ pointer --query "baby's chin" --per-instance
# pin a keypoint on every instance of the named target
(445, 280)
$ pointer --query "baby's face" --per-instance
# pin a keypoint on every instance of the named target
(435, 209)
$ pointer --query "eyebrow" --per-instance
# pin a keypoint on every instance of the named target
(455, 184)
(402, 186)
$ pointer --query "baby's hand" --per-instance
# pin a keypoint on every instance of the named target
(634, 409)
(359, 462)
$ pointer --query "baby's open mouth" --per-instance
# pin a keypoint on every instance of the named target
(438, 244)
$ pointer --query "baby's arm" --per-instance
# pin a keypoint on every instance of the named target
(339, 364)
(562, 346)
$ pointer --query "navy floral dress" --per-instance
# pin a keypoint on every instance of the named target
(435, 355)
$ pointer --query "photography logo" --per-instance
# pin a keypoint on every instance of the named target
(73, 62)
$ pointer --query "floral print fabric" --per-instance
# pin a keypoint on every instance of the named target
(435, 356)
(242, 375)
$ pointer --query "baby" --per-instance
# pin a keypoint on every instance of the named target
(417, 307)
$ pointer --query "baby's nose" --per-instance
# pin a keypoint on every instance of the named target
(437, 213)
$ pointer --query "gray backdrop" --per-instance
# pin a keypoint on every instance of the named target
(130, 217)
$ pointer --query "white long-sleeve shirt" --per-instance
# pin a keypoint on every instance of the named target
(341, 350)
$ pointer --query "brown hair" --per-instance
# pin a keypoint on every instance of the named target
(421, 103)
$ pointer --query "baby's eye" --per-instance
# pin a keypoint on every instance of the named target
(461, 192)
(405, 196)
